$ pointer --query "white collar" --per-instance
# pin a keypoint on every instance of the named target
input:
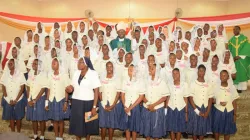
(121, 39)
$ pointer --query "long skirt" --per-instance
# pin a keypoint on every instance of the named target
(78, 126)
(16, 112)
(152, 123)
(110, 119)
(37, 112)
(223, 122)
(198, 125)
(176, 120)
(56, 111)
(132, 122)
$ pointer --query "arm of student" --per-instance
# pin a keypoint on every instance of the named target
(19, 94)
(151, 107)
(40, 94)
(123, 99)
(166, 102)
(28, 92)
(137, 102)
(210, 101)
(235, 109)
(115, 102)
(4, 91)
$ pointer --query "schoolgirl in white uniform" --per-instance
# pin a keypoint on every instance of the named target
(36, 99)
(161, 53)
(13, 101)
(205, 58)
(31, 59)
(177, 113)
(166, 72)
(152, 114)
(213, 72)
(141, 60)
(57, 99)
(110, 106)
(228, 64)
(199, 113)
(180, 62)
(191, 71)
(74, 62)
(225, 107)
(132, 94)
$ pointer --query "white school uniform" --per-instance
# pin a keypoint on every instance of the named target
(213, 77)
(46, 60)
(166, 73)
(100, 65)
(28, 49)
(66, 58)
(225, 94)
(201, 92)
(229, 67)
(119, 66)
(20, 65)
(12, 84)
(30, 61)
(181, 64)
(190, 75)
(73, 67)
(142, 68)
(57, 85)
(155, 91)
(221, 41)
(85, 91)
(109, 89)
(151, 49)
(36, 83)
(132, 91)
(206, 64)
(161, 57)
(177, 94)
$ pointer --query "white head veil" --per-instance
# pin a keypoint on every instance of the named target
(53, 29)
(147, 31)
(85, 32)
(110, 52)
(66, 28)
(25, 37)
(224, 33)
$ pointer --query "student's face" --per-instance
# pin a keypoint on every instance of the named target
(158, 43)
(81, 65)
(36, 38)
(121, 33)
(14, 52)
(199, 32)
(179, 54)
(128, 58)
(68, 43)
(75, 49)
(213, 45)
(82, 26)
(160, 30)
(171, 46)
(172, 59)
(193, 60)
(74, 35)
(184, 46)
(162, 36)
(206, 27)
(121, 53)
(180, 35)
(152, 70)
(55, 65)
(56, 34)
(53, 53)
(165, 31)
(109, 68)
(197, 42)
(87, 53)
(84, 40)
(39, 25)
(108, 30)
(201, 72)
(17, 41)
(105, 50)
(100, 33)
(57, 44)
(91, 33)
(95, 26)
(137, 35)
(36, 50)
(56, 25)
(206, 53)
(101, 40)
(151, 29)
(11, 64)
(176, 75)
(30, 34)
(47, 41)
(145, 42)
(130, 71)
(213, 34)
(221, 28)
(151, 37)
(142, 49)
(151, 60)
(215, 61)
(224, 76)
(227, 55)
(69, 26)
(188, 36)
(236, 31)
(35, 65)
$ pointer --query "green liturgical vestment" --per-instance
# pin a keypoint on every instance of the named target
(240, 46)
(126, 44)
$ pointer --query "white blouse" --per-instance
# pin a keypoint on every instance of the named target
(177, 94)
(57, 85)
(13, 84)
(132, 91)
(225, 94)
(155, 91)
(201, 92)
(36, 83)
(85, 91)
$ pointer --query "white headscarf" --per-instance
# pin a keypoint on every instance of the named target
(147, 32)
(169, 37)
(53, 29)
(110, 52)
(85, 32)
(25, 37)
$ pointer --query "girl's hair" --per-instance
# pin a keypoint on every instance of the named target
(128, 54)
(17, 38)
(193, 55)
(172, 54)
(201, 67)
(216, 56)
(109, 62)
(29, 31)
(175, 69)
(224, 71)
